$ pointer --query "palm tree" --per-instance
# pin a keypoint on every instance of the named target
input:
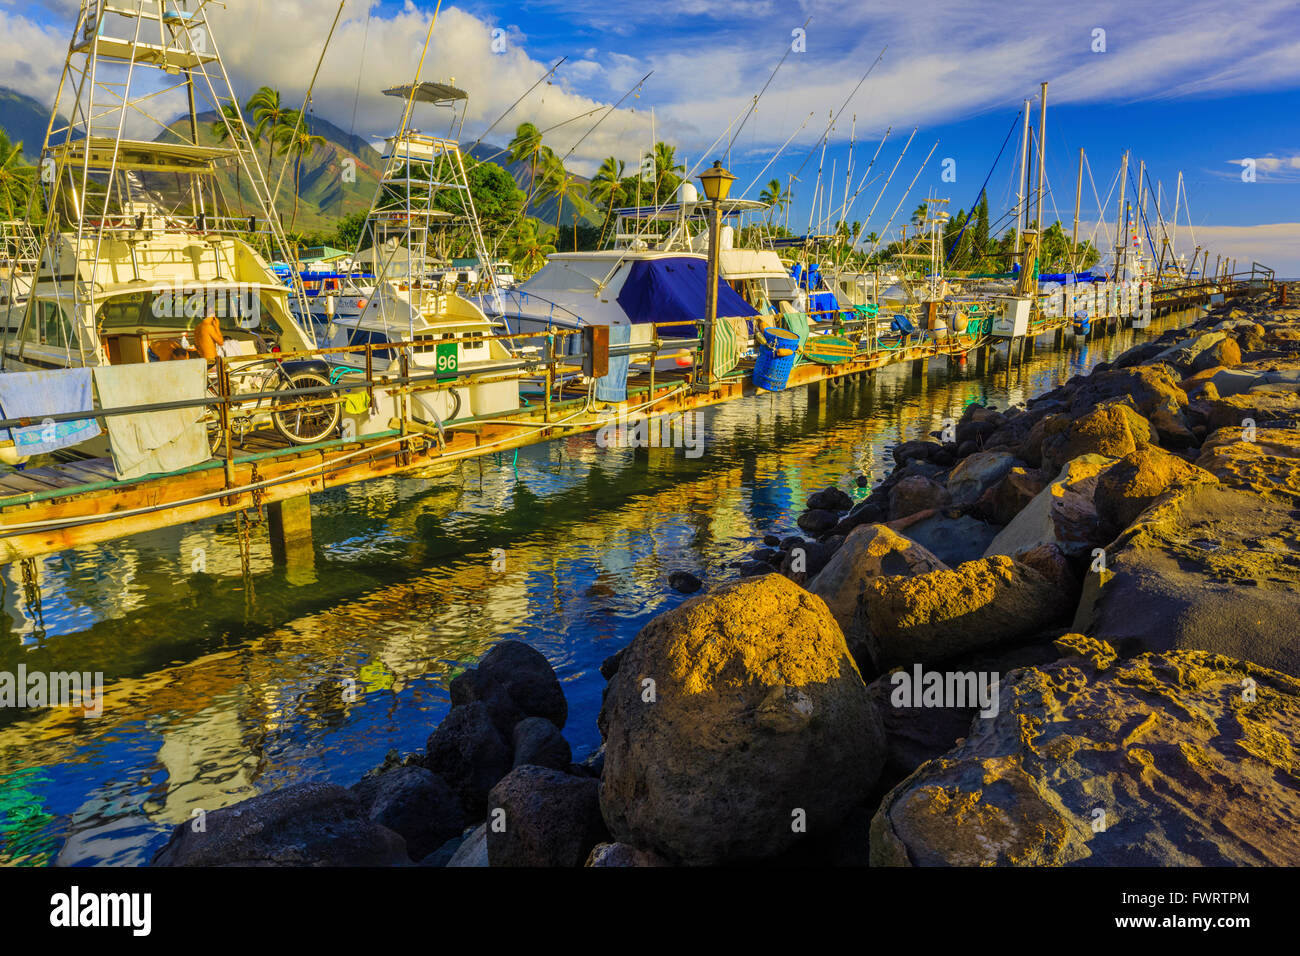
(221, 130)
(16, 177)
(918, 216)
(559, 183)
(530, 246)
(606, 186)
(528, 145)
(666, 170)
(776, 196)
(269, 115)
(296, 140)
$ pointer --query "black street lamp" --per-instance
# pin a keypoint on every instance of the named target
(717, 184)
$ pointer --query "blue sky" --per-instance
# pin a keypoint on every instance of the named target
(1191, 85)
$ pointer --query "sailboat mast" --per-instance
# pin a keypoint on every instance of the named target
(1021, 197)
(1042, 152)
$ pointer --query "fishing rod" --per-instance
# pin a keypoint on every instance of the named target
(754, 105)
(862, 183)
(778, 153)
(611, 109)
(888, 180)
(904, 199)
(836, 114)
(534, 183)
(530, 89)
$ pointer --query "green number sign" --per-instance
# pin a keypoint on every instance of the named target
(447, 360)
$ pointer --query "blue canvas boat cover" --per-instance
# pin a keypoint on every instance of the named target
(674, 290)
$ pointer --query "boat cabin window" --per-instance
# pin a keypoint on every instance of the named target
(51, 326)
(182, 310)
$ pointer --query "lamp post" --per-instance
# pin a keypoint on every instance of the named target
(717, 184)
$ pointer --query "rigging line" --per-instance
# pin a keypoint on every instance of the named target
(361, 60)
(517, 102)
(606, 116)
(836, 114)
(904, 199)
(754, 105)
(957, 242)
(306, 101)
(535, 181)
(881, 195)
(810, 115)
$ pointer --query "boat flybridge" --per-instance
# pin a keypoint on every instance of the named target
(655, 271)
(139, 247)
(422, 205)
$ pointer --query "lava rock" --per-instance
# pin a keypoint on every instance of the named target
(684, 582)
(469, 753)
(540, 743)
(308, 824)
(759, 713)
(414, 802)
(550, 819)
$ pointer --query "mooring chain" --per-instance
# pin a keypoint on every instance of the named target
(32, 593)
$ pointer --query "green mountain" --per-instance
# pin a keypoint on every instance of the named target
(338, 178)
(25, 120)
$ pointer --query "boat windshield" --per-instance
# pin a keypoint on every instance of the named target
(181, 309)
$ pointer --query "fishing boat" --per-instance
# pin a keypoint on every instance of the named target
(417, 294)
(138, 248)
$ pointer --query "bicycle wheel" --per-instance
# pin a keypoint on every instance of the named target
(212, 420)
(302, 426)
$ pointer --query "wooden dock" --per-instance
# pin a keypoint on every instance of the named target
(68, 505)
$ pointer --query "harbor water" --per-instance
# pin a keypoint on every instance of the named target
(223, 681)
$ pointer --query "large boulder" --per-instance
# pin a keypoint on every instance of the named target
(308, 824)
(917, 729)
(473, 850)
(542, 817)
(945, 614)
(830, 499)
(522, 673)
(916, 493)
(1063, 513)
(1210, 567)
(1128, 487)
(1164, 760)
(468, 751)
(414, 802)
(950, 539)
(870, 551)
(1001, 503)
(1222, 353)
(1112, 431)
(736, 724)
(976, 473)
(539, 742)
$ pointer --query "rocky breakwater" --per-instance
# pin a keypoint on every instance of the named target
(1077, 617)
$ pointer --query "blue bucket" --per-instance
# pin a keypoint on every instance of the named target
(772, 371)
